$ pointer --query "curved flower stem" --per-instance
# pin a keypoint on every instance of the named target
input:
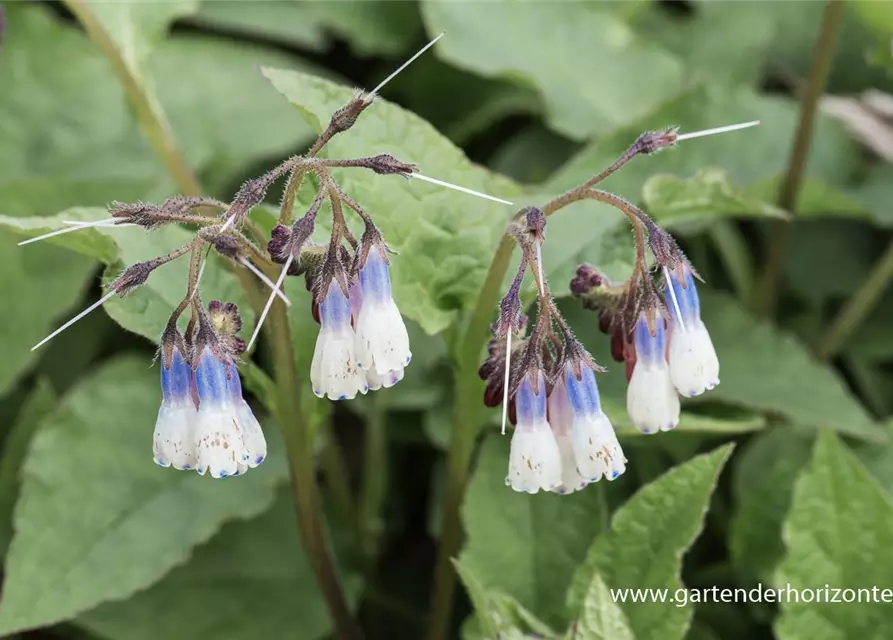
(465, 429)
(467, 412)
(303, 475)
(764, 303)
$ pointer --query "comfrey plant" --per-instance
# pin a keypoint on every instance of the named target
(204, 424)
(546, 380)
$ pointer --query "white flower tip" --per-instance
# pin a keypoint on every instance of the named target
(651, 400)
(710, 132)
(263, 315)
(694, 366)
(534, 460)
(83, 313)
(449, 185)
(371, 95)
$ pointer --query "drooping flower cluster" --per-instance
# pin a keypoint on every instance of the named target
(546, 381)
(204, 422)
(562, 440)
(362, 343)
(656, 329)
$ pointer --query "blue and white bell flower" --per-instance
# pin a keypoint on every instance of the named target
(334, 371)
(651, 399)
(694, 367)
(228, 439)
(382, 342)
(173, 441)
(561, 419)
(593, 442)
(534, 460)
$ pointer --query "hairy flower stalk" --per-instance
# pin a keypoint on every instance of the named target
(618, 307)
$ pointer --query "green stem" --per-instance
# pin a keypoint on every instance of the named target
(765, 301)
(375, 478)
(303, 481)
(338, 483)
(465, 429)
(857, 307)
(151, 118)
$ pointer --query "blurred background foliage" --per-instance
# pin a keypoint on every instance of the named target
(102, 544)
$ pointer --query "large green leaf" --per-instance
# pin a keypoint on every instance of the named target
(763, 483)
(601, 617)
(85, 133)
(765, 369)
(702, 39)
(15, 446)
(644, 547)
(708, 195)
(526, 545)
(123, 522)
(223, 113)
(877, 15)
(146, 310)
(837, 534)
(250, 581)
(40, 283)
(747, 155)
(761, 368)
(496, 614)
(593, 73)
(446, 239)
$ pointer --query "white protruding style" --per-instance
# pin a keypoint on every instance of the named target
(672, 293)
(710, 132)
(508, 369)
(448, 185)
(263, 278)
(694, 366)
(83, 313)
(75, 226)
(263, 315)
(371, 95)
